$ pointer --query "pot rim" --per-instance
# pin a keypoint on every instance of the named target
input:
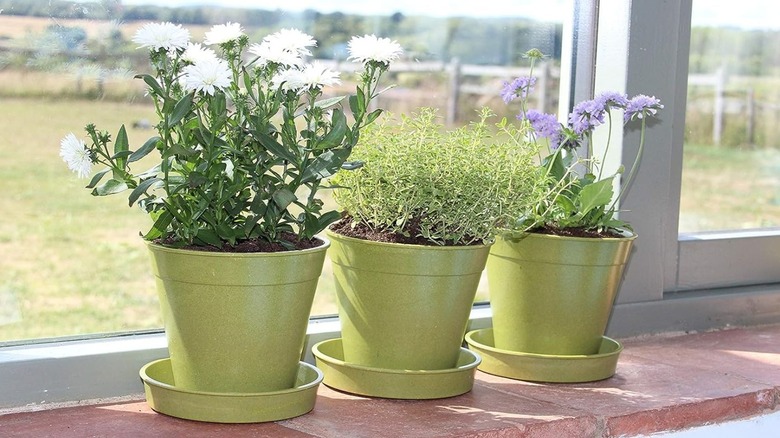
(162, 248)
(519, 235)
(338, 236)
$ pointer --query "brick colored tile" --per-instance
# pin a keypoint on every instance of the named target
(126, 420)
(481, 412)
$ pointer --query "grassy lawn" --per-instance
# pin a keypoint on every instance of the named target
(729, 188)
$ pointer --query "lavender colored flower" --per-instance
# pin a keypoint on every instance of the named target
(612, 99)
(586, 115)
(545, 125)
(519, 87)
(640, 106)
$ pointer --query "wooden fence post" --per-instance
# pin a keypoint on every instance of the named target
(454, 73)
(750, 129)
(717, 113)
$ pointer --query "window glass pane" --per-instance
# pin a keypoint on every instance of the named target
(73, 264)
(731, 155)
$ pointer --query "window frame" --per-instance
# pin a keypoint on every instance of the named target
(673, 282)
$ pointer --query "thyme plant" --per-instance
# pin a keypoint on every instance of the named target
(450, 187)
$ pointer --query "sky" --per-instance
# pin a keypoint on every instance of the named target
(751, 14)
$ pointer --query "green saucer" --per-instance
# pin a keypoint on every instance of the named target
(164, 397)
(393, 383)
(544, 367)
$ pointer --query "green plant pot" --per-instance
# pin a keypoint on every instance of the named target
(404, 306)
(236, 322)
(553, 294)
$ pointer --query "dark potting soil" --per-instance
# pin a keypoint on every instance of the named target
(256, 245)
(347, 227)
(575, 232)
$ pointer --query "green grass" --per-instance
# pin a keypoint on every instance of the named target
(729, 188)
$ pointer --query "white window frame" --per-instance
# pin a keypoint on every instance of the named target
(673, 282)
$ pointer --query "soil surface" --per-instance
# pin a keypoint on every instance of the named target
(257, 245)
(347, 227)
(575, 232)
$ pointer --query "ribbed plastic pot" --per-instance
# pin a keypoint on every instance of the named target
(236, 322)
(404, 306)
(554, 294)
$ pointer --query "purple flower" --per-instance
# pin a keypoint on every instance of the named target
(545, 125)
(610, 99)
(586, 115)
(640, 106)
(519, 87)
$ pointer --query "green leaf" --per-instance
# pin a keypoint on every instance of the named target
(324, 103)
(144, 150)
(595, 195)
(121, 146)
(373, 116)
(337, 132)
(181, 109)
(284, 197)
(160, 225)
(353, 165)
(141, 189)
(96, 179)
(121, 156)
(111, 187)
(555, 166)
(152, 83)
(325, 165)
(209, 237)
(327, 219)
(275, 147)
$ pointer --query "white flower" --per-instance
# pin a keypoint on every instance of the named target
(269, 53)
(207, 76)
(196, 53)
(291, 79)
(75, 153)
(292, 40)
(316, 75)
(370, 48)
(222, 33)
(158, 36)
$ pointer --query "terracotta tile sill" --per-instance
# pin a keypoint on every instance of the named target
(663, 383)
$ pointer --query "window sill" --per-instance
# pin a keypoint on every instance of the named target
(663, 383)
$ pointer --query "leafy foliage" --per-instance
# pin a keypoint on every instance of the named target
(243, 162)
(451, 187)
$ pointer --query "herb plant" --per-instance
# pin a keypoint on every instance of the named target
(447, 187)
(244, 136)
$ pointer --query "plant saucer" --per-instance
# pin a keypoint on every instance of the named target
(163, 396)
(394, 383)
(550, 368)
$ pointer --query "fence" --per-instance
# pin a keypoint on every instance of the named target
(464, 80)
(740, 100)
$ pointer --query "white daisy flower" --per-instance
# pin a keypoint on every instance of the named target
(158, 36)
(291, 79)
(222, 33)
(316, 75)
(292, 40)
(207, 76)
(370, 48)
(75, 153)
(195, 53)
(268, 52)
